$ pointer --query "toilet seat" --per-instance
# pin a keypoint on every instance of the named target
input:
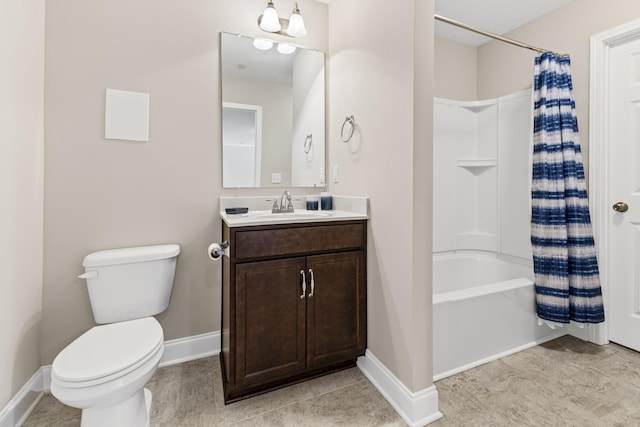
(107, 352)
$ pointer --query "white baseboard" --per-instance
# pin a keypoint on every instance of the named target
(416, 409)
(190, 348)
(20, 406)
(175, 352)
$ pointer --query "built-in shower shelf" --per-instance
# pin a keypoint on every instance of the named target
(489, 162)
(478, 106)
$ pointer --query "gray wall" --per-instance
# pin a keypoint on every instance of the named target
(104, 193)
(21, 189)
(456, 75)
(385, 79)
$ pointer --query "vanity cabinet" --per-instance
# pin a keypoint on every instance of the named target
(294, 303)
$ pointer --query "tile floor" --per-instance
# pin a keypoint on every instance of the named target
(565, 382)
(190, 394)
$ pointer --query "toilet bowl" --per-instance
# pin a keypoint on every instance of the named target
(104, 371)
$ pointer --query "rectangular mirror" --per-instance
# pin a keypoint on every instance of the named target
(273, 107)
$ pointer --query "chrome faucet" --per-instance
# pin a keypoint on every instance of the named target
(286, 205)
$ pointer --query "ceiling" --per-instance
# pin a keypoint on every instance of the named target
(241, 60)
(496, 16)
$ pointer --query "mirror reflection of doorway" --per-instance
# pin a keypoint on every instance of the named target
(241, 136)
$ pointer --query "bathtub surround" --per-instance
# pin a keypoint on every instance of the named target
(482, 253)
(564, 255)
(481, 178)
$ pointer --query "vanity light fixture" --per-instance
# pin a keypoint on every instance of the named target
(286, 48)
(296, 26)
(262, 44)
(270, 22)
(265, 44)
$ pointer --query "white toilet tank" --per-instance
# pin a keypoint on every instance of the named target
(130, 283)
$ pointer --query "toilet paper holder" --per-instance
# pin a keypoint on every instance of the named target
(216, 250)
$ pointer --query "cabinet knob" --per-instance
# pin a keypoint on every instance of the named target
(304, 284)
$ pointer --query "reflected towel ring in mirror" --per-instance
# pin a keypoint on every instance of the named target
(351, 120)
(308, 142)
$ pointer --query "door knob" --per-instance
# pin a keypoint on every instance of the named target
(621, 207)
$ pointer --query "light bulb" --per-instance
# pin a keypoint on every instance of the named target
(262, 44)
(296, 24)
(270, 21)
(286, 48)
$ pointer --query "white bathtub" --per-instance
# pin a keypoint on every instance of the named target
(483, 309)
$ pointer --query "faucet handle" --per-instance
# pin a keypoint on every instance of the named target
(274, 208)
(289, 207)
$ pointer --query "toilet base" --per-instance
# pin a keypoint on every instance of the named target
(133, 412)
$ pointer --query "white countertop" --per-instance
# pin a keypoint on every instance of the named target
(346, 208)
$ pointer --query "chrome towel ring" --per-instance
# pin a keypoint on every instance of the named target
(352, 124)
(308, 142)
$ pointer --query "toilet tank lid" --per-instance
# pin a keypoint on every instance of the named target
(130, 255)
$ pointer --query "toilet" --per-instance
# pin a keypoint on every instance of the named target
(104, 371)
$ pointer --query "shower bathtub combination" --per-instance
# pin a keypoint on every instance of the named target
(483, 293)
(483, 309)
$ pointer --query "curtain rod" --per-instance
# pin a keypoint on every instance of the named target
(493, 35)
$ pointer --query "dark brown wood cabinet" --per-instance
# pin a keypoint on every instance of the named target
(294, 303)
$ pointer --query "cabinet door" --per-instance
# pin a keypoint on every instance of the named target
(270, 326)
(336, 311)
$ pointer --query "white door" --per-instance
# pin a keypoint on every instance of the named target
(623, 253)
(241, 145)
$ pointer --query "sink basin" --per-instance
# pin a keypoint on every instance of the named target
(289, 215)
(266, 217)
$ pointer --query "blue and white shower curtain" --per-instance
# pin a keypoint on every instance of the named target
(567, 282)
